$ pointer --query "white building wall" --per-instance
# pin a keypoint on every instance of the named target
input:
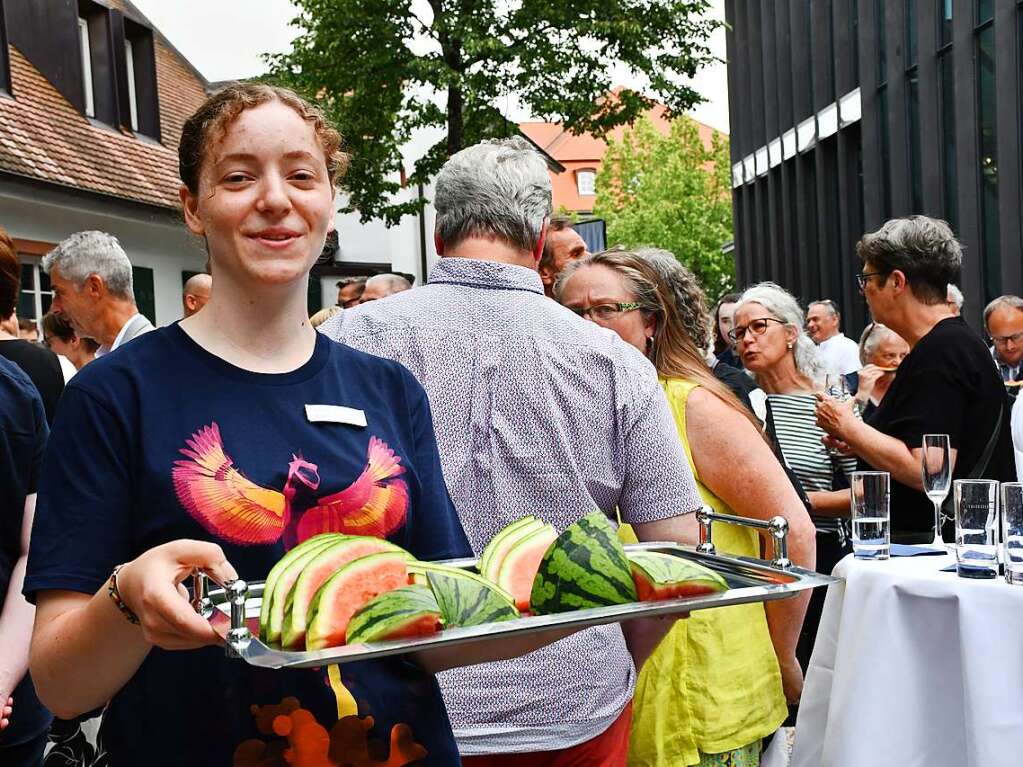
(157, 242)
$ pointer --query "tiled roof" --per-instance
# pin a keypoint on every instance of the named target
(44, 137)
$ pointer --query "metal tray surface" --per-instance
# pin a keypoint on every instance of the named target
(749, 580)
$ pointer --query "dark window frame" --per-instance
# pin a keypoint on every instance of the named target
(5, 55)
(990, 240)
(147, 99)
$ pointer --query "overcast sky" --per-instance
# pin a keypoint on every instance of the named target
(224, 39)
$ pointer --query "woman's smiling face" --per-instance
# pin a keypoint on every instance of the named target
(265, 200)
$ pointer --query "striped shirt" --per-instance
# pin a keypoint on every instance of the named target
(800, 440)
(536, 411)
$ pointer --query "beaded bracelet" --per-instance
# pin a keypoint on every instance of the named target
(115, 597)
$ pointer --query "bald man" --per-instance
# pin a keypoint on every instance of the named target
(382, 286)
(196, 293)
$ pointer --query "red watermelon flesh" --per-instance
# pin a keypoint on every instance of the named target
(518, 567)
(664, 576)
(495, 552)
(322, 566)
(347, 590)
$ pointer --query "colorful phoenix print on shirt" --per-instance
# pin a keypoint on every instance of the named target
(228, 504)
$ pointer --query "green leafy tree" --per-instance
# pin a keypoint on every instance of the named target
(671, 192)
(384, 72)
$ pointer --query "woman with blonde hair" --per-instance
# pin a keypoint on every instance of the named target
(718, 683)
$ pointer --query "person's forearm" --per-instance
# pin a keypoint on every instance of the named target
(830, 503)
(884, 453)
(83, 657)
(15, 631)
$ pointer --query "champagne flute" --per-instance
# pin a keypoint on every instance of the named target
(936, 472)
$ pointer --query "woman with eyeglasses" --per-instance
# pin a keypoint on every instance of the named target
(947, 383)
(881, 352)
(771, 340)
(718, 683)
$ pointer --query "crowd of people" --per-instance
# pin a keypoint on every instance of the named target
(527, 376)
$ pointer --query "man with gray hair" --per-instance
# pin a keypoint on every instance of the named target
(1003, 321)
(536, 411)
(839, 355)
(92, 287)
(383, 285)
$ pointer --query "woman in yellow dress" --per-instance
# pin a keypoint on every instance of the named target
(718, 683)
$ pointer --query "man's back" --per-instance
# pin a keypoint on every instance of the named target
(536, 412)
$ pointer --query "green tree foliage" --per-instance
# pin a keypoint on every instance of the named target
(671, 192)
(385, 69)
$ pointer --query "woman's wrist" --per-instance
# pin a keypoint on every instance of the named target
(115, 596)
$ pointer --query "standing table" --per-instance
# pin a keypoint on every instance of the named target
(914, 667)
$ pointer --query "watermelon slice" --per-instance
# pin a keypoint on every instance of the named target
(585, 567)
(518, 567)
(410, 611)
(337, 600)
(316, 571)
(280, 580)
(465, 598)
(663, 576)
(495, 551)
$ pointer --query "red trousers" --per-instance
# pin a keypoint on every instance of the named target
(609, 749)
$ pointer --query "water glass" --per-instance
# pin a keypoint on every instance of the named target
(1012, 531)
(976, 503)
(870, 514)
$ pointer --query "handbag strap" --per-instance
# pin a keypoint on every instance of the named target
(948, 506)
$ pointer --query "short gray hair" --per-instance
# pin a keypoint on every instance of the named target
(955, 295)
(394, 283)
(871, 338)
(924, 249)
(783, 306)
(828, 304)
(495, 188)
(1008, 301)
(91, 252)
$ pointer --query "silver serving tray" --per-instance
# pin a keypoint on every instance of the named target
(234, 611)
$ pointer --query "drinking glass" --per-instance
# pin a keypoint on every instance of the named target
(870, 514)
(936, 471)
(976, 502)
(1012, 531)
(836, 387)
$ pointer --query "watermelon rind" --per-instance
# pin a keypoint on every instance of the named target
(329, 615)
(391, 615)
(466, 599)
(327, 562)
(280, 580)
(663, 571)
(418, 575)
(493, 553)
(585, 567)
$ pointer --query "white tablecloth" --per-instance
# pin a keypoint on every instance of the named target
(914, 668)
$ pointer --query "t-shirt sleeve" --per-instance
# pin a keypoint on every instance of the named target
(82, 526)
(39, 436)
(434, 530)
(658, 481)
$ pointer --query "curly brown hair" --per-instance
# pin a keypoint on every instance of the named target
(208, 125)
(10, 275)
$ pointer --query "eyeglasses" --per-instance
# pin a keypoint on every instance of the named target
(862, 278)
(756, 327)
(1016, 338)
(607, 311)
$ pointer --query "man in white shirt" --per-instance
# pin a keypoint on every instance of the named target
(838, 354)
(92, 287)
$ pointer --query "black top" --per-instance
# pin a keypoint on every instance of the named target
(945, 385)
(42, 367)
(22, 438)
(736, 380)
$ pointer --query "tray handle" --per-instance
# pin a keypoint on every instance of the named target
(778, 527)
(237, 593)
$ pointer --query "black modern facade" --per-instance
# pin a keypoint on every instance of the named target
(845, 113)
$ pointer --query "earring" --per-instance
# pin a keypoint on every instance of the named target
(649, 346)
(791, 345)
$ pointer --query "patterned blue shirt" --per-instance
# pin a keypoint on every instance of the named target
(537, 411)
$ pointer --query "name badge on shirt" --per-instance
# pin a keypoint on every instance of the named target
(335, 414)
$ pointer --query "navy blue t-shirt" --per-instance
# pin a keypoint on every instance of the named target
(23, 433)
(161, 440)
